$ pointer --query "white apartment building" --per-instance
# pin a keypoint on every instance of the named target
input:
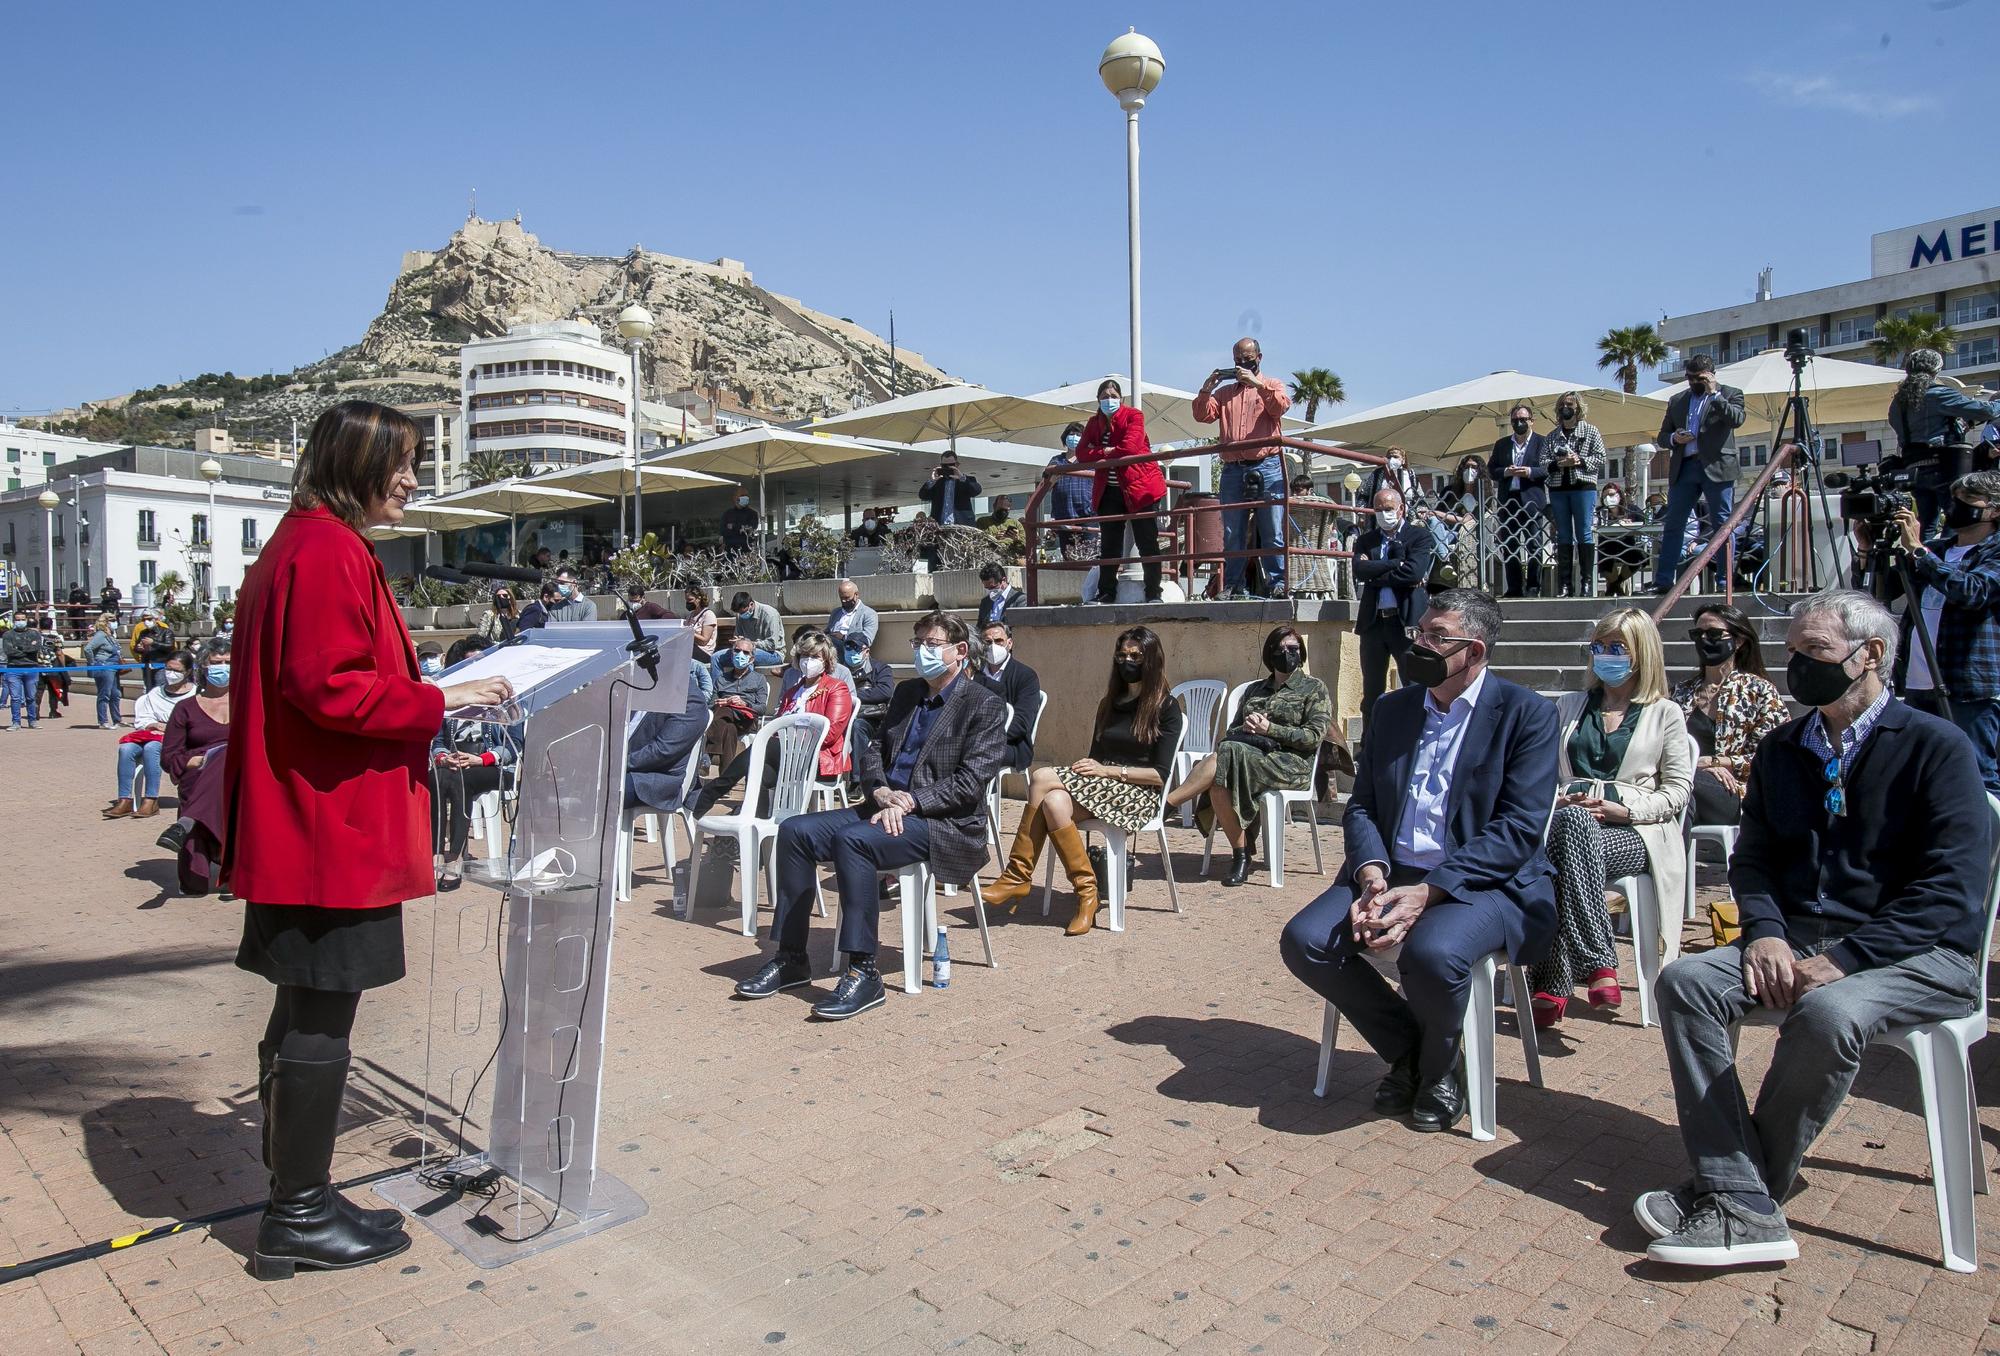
(546, 395)
(28, 456)
(138, 513)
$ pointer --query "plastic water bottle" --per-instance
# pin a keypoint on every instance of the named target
(941, 962)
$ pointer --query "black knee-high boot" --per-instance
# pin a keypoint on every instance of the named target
(1565, 572)
(373, 1219)
(1586, 570)
(304, 1226)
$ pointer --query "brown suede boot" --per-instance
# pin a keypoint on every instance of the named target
(1076, 862)
(119, 808)
(1017, 880)
(147, 809)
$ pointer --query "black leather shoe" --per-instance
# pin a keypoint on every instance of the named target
(1440, 1105)
(1239, 867)
(781, 972)
(176, 834)
(858, 991)
(1397, 1092)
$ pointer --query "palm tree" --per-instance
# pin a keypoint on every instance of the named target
(1896, 336)
(1316, 385)
(1628, 350)
(483, 468)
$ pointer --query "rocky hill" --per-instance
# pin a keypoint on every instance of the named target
(716, 332)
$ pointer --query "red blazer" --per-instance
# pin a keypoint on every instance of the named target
(1143, 483)
(830, 698)
(327, 793)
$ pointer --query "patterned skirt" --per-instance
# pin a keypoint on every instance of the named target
(1128, 806)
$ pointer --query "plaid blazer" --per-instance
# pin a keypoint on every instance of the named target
(961, 754)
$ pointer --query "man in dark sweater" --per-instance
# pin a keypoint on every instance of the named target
(1016, 684)
(1861, 875)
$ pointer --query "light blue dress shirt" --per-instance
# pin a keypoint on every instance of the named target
(1420, 832)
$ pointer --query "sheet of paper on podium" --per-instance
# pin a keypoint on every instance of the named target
(523, 666)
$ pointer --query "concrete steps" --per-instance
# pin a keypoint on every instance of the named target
(1542, 641)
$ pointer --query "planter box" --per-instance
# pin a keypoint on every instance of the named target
(454, 618)
(673, 600)
(961, 589)
(814, 597)
(1058, 588)
(897, 592)
(771, 595)
(420, 618)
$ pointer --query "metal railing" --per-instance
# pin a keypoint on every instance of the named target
(1793, 515)
(1181, 559)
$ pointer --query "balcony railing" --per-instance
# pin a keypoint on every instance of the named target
(251, 548)
(149, 541)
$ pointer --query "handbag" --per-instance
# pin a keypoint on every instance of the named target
(1262, 743)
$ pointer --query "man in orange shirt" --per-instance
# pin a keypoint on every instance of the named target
(1250, 406)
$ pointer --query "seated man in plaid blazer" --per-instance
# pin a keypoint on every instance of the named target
(923, 798)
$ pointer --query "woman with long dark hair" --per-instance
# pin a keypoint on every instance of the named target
(1132, 745)
(1731, 704)
(327, 806)
(1119, 430)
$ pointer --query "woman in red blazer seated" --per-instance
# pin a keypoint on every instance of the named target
(328, 806)
(1119, 430)
(818, 691)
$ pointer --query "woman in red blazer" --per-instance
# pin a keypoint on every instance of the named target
(1119, 430)
(819, 691)
(327, 803)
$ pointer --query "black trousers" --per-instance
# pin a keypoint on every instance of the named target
(1380, 642)
(1145, 535)
(452, 792)
(310, 1024)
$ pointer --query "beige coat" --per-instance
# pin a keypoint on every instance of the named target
(1654, 783)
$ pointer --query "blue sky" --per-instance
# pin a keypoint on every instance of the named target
(1409, 195)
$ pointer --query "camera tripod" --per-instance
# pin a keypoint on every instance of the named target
(1795, 426)
(1889, 555)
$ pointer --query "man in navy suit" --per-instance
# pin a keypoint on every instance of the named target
(1520, 477)
(1444, 857)
(1700, 426)
(1392, 559)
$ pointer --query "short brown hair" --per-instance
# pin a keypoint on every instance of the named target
(353, 452)
(954, 629)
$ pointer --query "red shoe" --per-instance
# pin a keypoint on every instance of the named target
(1548, 1010)
(1604, 991)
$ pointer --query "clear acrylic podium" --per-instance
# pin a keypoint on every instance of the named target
(520, 956)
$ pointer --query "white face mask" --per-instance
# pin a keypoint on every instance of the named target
(998, 655)
(810, 669)
(1469, 476)
(1611, 501)
(1395, 463)
(868, 523)
(1388, 519)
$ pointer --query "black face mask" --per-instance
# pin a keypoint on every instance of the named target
(1250, 364)
(1819, 682)
(1423, 666)
(1287, 660)
(1960, 515)
(1129, 670)
(1714, 647)
(1520, 426)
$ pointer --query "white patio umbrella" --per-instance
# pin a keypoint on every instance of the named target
(617, 478)
(766, 450)
(1471, 416)
(1837, 391)
(431, 516)
(1169, 410)
(517, 495)
(951, 413)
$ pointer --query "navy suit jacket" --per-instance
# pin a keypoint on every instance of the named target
(1533, 487)
(1404, 571)
(1497, 806)
(656, 763)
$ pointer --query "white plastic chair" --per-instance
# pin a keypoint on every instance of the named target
(1942, 1052)
(799, 736)
(488, 820)
(1476, 1035)
(1199, 698)
(644, 818)
(1000, 777)
(1118, 859)
(1650, 920)
(1723, 836)
(1274, 811)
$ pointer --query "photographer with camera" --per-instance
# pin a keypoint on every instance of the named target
(949, 492)
(1249, 406)
(1700, 426)
(1958, 578)
(1934, 423)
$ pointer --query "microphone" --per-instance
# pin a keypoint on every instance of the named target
(447, 574)
(513, 574)
(644, 649)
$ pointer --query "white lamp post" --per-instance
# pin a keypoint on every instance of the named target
(49, 500)
(1131, 68)
(211, 471)
(635, 323)
(1643, 454)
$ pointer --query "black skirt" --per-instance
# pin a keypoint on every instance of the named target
(342, 950)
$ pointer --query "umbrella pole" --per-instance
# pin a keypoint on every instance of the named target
(763, 523)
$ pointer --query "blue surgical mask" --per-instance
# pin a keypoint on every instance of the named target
(430, 666)
(855, 659)
(738, 660)
(1611, 669)
(218, 675)
(931, 661)
(746, 618)
(1073, 441)
(1108, 406)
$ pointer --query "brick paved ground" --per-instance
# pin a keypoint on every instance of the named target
(1108, 1145)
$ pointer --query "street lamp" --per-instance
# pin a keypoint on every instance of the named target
(1131, 68)
(211, 471)
(50, 500)
(635, 323)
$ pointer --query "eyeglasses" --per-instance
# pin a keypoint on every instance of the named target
(1836, 793)
(1614, 648)
(1434, 639)
(1699, 632)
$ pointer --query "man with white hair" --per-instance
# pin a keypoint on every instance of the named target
(1860, 874)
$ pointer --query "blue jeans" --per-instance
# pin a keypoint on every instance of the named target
(1575, 512)
(1688, 488)
(21, 692)
(107, 695)
(1241, 481)
(130, 756)
(765, 659)
(1979, 719)
(858, 850)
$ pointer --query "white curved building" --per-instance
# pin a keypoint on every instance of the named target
(551, 394)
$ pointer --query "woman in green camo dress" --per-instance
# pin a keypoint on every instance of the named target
(1270, 747)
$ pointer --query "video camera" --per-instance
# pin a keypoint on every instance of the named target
(1874, 496)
